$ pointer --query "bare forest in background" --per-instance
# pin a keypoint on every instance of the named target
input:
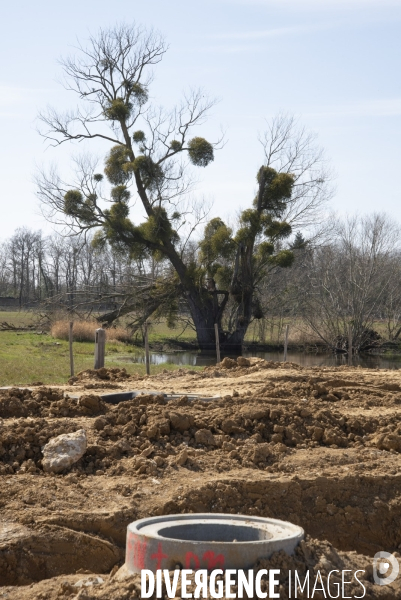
(351, 278)
(36, 270)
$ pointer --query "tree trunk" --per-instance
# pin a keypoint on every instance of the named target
(234, 341)
(242, 291)
(206, 312)
(204, 318)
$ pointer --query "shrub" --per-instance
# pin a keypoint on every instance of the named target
(84, 331)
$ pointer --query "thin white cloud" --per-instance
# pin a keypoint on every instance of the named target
(320, 4)
(381, 107)
(253, 41)
(233, 49)
(259, 35)
(16, 101)
(11, 95)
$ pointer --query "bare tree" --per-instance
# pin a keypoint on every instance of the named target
(152, 150)
(347, 283)
(290, 148)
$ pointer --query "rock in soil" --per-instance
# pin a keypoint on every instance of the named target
(61, 452)
(320, 447)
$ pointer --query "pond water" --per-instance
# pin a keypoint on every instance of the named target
(370, 361)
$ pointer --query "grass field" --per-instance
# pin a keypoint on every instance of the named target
(26, 358)
(19, 318)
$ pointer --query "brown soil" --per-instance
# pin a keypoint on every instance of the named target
(319, 447)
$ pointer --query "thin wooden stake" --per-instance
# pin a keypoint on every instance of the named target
(100, 348)
(350, 344)
(286, 342)
(216, 333)
(147, 358)
(70, 339)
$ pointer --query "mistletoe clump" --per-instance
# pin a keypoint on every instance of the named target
(200, 152)
(276, 190)
(80, 207)
(118, 110)
(151, 173)
(116, 165)
(139, 137)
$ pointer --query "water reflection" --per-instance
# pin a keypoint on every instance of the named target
(195, 359)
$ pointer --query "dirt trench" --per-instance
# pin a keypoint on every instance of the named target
(339, 511)
(360, 514)
(37, 553)
(320, 448)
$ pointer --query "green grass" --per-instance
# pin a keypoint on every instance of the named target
(26, 358)
(23, 318)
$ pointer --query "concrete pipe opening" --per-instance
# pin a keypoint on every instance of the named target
(206, 541)
(215, 532)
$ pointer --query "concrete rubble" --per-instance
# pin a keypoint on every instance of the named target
(61, 452)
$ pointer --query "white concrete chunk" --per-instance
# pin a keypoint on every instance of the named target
(63, 451)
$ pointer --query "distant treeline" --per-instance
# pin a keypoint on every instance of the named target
(34, 268)
(349, 278)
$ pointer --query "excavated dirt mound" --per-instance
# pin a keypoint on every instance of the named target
(104, 375)
(47, 402)
(319, 447)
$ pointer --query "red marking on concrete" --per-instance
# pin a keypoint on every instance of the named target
(159, 556)
(139, 553)
(191, 556)
(212, 560)
(129, 549)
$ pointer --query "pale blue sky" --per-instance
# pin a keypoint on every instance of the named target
(334, 63)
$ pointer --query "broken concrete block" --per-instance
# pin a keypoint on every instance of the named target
(63, 451)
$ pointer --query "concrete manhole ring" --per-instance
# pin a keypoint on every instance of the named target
(206, 541)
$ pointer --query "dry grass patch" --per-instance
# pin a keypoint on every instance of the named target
(84, 331)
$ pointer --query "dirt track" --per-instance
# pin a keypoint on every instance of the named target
(319, 447)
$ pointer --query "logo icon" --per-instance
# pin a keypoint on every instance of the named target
(385, 568)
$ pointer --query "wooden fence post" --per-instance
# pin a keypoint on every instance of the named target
(286, 342)
(147, 357)
(100, 348)
(350, 345)
(216, 333)
(70, 339)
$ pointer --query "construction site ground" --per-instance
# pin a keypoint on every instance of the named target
(319, 447)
